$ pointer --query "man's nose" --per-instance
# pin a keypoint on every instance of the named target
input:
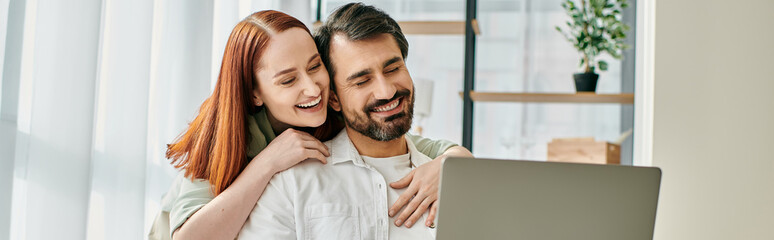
(385, 89)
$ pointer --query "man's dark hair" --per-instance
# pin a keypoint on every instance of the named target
(356, 21)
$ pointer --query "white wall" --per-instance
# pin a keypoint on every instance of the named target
(714, 119)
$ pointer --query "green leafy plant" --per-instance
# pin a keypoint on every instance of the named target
(595, 28)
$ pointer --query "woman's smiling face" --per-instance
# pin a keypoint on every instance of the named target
(292, 81)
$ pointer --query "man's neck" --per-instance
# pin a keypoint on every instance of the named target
(369, 147)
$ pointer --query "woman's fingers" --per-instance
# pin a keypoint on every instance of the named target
(306, 136)
(315, 154)
(419, 211)
(402, 200)
(410, 208)
(403, 182)
(309, 141)
(429, 222)
(316, 145)
(300, 135)
(292, 147)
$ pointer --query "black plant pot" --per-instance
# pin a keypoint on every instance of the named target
(586, 82)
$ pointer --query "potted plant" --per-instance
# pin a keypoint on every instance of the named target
(595, 28)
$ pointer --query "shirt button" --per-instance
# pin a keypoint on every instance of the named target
(380, 186)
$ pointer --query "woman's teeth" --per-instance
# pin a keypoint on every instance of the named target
(312, 103)
(388, 107)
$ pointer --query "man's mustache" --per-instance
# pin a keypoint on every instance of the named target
(377, 103)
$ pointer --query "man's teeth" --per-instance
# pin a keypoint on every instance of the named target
(387, 107)
(312, 103)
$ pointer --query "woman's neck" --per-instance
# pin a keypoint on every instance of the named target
(276, 125)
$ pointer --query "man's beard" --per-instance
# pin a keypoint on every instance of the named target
(393, 127)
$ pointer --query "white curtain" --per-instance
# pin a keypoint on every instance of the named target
(91, 93)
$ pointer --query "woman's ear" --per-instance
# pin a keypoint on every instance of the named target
(333, 101)
(257, 98)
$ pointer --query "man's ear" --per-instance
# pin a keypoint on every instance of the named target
(257, 100)
(333, 101)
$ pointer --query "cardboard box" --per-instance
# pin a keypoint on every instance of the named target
(583, 150)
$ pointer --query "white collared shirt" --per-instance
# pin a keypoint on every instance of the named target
(393, 169)
(344, 199)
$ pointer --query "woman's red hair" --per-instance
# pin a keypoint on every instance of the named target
(214, 145)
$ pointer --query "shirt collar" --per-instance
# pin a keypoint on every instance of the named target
(342, 150)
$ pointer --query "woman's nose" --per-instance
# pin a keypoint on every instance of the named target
(310, 87)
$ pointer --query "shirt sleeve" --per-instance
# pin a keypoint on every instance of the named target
(192, 196)
(431, 148)
(273, 215)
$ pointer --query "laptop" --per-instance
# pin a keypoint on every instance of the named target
(512, 199)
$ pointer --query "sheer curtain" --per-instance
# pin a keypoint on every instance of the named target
(91, 93)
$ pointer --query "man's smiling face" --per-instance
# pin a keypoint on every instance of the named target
(374, 89)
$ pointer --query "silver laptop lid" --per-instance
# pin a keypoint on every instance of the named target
(510, 199)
